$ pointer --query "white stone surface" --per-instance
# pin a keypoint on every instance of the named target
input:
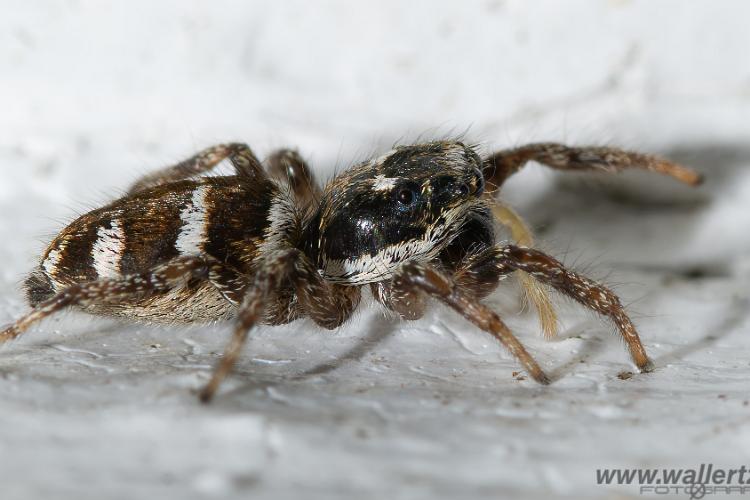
(94, 93)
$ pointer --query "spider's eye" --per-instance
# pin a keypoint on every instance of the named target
(407, 196)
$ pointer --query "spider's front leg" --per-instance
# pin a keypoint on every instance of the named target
(502, 164)
(482, 268)
(327, 304)
(240, 155)
(414, 278)
(499, 166)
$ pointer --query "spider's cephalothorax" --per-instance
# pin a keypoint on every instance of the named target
(267, 244)
(407, 204)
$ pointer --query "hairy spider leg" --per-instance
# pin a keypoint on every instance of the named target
(415, 276)
(499, 166)
(288, 166)
(327, 304)
(170, 275)
(480, 269)
(240, 155)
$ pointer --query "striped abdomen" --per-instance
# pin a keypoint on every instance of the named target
(221, 217)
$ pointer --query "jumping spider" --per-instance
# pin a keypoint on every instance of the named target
(267, 244)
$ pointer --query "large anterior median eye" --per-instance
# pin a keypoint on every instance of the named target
(407, 195)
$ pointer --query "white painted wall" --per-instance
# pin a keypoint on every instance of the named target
(94, 93)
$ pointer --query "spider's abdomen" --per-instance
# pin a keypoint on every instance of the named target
(221, 217)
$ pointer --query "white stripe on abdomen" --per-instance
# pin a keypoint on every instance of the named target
(194, 219)
(108, 249)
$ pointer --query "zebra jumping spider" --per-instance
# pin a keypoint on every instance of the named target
(267, 244)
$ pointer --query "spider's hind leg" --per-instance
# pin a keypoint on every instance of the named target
(132, 288)
(240, 155)
(288, 166)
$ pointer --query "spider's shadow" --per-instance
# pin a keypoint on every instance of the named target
(378, 329)
(734, 318)
(736, 315)
(591, 347)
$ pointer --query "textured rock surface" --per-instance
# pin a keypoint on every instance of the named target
(92, 94)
